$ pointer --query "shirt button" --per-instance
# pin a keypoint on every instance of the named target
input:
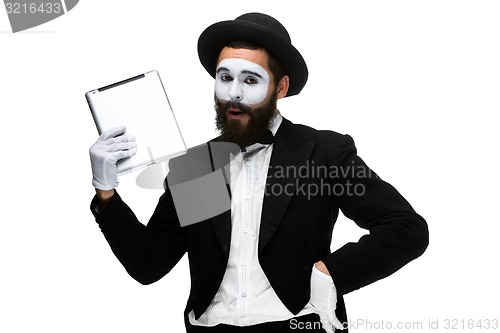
(244, 295)
(247, 161)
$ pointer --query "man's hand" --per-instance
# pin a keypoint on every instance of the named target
(324, 299)
(111, 146)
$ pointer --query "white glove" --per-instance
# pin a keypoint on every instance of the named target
(324, 299)
(111, 146)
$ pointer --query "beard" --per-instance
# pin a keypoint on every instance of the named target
(234, 130)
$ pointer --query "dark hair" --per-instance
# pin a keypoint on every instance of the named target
(274, 64)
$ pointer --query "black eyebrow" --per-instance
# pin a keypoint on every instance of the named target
(252, 73)
(220, 69)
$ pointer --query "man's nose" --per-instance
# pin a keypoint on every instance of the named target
(236, 93)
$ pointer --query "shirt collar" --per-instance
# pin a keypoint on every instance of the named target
(275, 123)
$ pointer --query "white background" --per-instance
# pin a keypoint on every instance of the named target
(416, 83)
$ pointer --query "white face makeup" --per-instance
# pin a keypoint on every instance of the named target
(240, 80)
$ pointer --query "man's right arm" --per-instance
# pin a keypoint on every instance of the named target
(104, 196)
(147, 252)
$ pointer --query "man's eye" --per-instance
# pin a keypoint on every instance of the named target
(226, 78)
(251, 80)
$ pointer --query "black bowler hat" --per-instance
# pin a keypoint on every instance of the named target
(260, 29)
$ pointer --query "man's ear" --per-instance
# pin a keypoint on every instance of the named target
(282, 88)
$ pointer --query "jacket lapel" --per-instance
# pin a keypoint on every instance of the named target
(288, 151)
(222, 229)
(221, 155)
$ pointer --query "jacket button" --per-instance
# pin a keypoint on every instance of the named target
(307, 268)
(308, 291)
(302, 244)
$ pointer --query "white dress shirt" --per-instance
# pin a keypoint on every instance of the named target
(245, 296)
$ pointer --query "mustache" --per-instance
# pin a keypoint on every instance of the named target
(224, 106)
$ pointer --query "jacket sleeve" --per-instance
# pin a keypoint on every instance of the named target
(147, 252)
(397, 234)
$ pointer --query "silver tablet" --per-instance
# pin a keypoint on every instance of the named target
(141, 104)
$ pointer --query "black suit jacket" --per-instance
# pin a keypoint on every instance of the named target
(312, 175)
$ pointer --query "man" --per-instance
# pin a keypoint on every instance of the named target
(264, 265)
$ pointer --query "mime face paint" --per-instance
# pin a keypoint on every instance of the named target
(240, 80)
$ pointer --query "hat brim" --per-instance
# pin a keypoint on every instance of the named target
(216, 36)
